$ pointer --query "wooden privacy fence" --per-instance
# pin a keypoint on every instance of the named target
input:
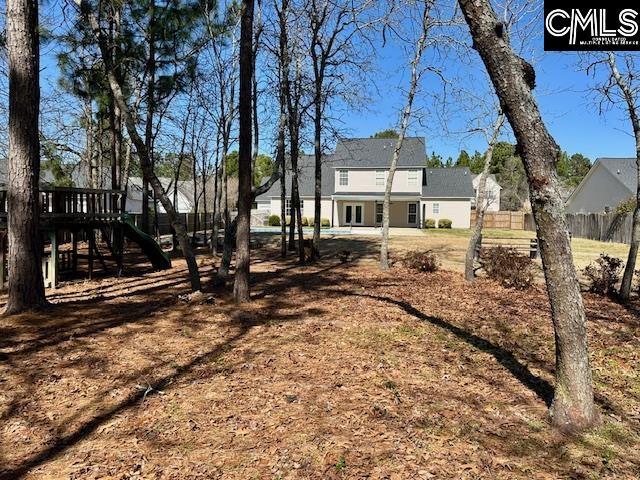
(502, 220)
(604, 227)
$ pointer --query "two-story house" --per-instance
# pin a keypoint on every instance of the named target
(354, 180)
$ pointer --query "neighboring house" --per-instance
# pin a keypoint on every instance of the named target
(184, 203)
(609, 182)
(491, 193)
(353, 184)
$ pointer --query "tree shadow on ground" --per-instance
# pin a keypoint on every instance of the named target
(88, 322)
(507, 359)
(94, 321)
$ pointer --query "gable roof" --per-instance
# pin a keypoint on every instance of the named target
(624, 169)
(378, 152)
(351, 153)
(455, 182)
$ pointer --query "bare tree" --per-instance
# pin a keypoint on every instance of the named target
(225, 71)
(416, 73)
(283, 72)
(573, 407)
(620, 89)
(140, 145)
(26, 285)
(333, 27)
(481, 202)
(241, 289)
(293, 91)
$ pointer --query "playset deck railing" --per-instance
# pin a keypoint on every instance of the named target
(80, 205)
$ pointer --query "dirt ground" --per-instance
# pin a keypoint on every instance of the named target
(334, 371)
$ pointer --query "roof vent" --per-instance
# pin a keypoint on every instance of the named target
(618, 171)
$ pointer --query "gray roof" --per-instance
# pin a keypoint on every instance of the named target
(378, 152)
(448, 183)
(306, 178)
(624, 169)
(352, 153)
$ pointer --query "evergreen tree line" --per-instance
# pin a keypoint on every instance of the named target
(508, 169)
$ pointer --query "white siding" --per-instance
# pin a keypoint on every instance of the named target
(307, 209)
(364, 180)
(456, 210)
(492, 193)
(264, 205)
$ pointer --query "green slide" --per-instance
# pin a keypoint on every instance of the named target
(159, 259)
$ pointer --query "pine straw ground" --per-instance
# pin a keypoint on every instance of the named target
(334, 371)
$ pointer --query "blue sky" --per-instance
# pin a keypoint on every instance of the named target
(568, 108)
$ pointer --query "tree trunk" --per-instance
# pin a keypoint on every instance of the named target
(126, 165)
(143, 153)
(215, 211)
(404, 122)
(573, 408)
(89, 135)
(292, 220)
(283, 97)
(229, 242)
(629, 270)
(469, 273)
(148, 133)
(317, 151)
(241, 288)
(283, 211)
(114, 113)
(26, 285)
(294, 150)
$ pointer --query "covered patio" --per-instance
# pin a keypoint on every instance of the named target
(352, 210)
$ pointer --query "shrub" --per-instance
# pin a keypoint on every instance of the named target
(273, 220)
(310, 221)
(507, 266)
(626, 206)
(429, 223)
(305, 222)
(421, 261)
(444, 223)
(287, 220)
(325, 223)
(603, 274)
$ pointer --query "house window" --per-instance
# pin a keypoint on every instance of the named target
(412, 218)
(380, 174)
(412, 178)
(287, 206)
(379, 212)
(344, 178)
(436, 208)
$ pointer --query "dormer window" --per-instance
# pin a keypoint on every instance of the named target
(344, 178)
(380, 174)
(412, 178)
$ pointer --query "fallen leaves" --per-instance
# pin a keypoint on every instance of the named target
(386, 375)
